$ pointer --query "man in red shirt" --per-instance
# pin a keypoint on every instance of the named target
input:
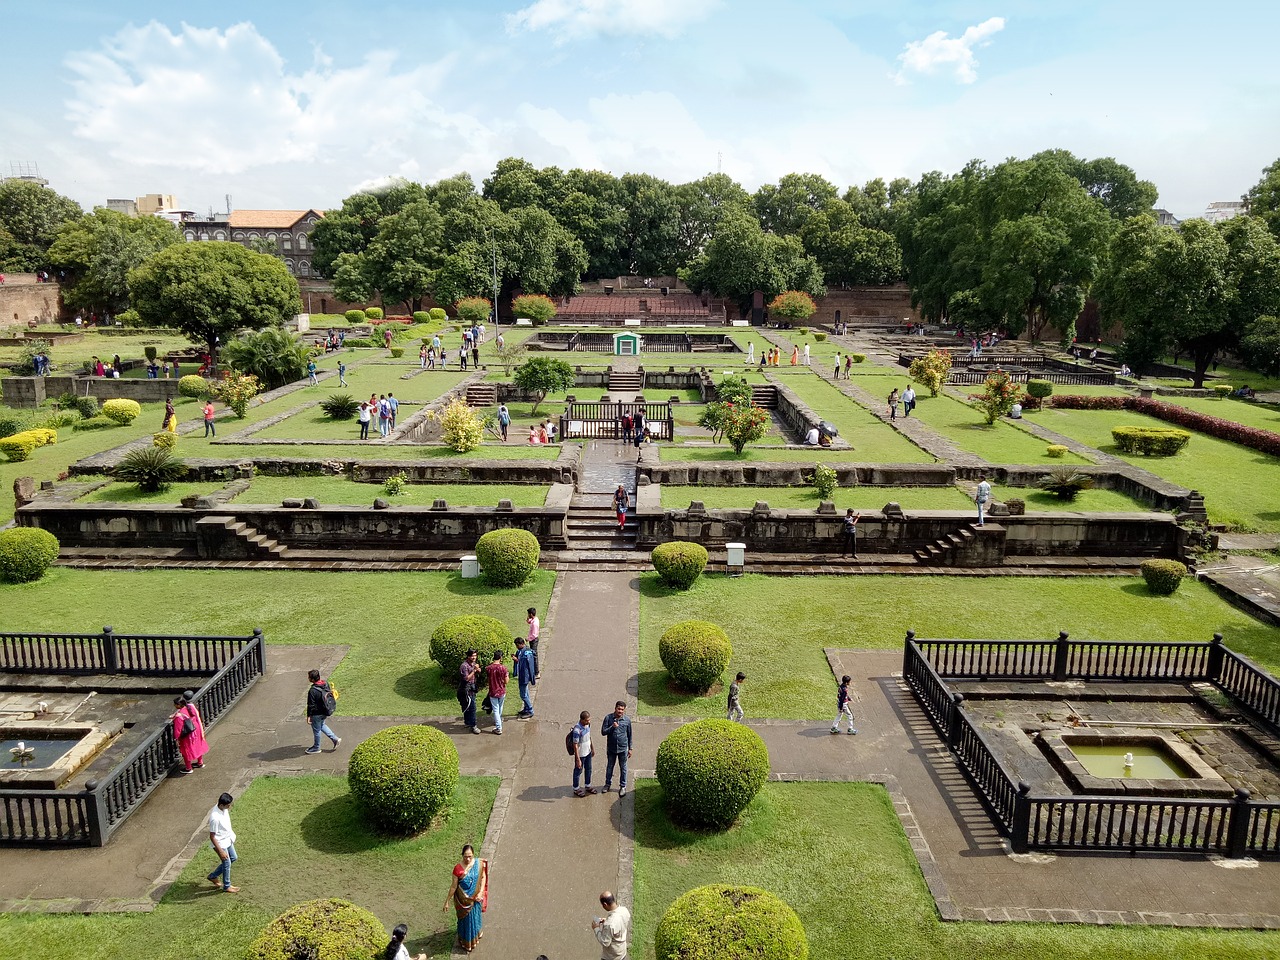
(497, 675)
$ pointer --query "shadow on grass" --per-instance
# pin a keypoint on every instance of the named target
(337, 827)
(421, 686)
(655, 690)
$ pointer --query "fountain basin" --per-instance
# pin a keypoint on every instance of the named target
(1092, 762)
(60, 750)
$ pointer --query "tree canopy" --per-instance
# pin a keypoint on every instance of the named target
(543, 375)
(30, 216)
(97, 252)
(1263, 198)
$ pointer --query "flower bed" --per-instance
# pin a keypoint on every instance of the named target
(1252, 437)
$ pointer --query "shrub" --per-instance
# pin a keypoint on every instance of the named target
(353, 342)
(931, 370)
(393, 485)
(820, 337)
(1056, 450)
(999, 394)
(355, 316)
(1150, 441)
(436, 313)
(340, 406)
(535, 306)
(745, 423)
(57, 420)
(150, 353)
(123, 412)
(1039, 391)
(824, 480)
(1163, 576)
(151, 468)
(793, 305)
(26, 553)
(11, 423)
(710, 770)
(1222, 390)
(403, 776)
(320, 930)
(473, 310)
(397, 352)
(695, 653)
(461, 425)
(236, 390)
(422, 316)
(1065, 483)
(87, 407)
(164, 440)
(451, 640)
(679, 563)
(804, 331)
(374, 313)
(20, 446)
(858, 357)
(507, 557)
(197, 388)
(94, 423)
(723, 922)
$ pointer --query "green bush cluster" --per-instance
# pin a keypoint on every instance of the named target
(403, 776)
(451, 640)
(437, 314)
(26, 553)
(1039, 391)
(354, 342)
(151, 468)
(374, 313)
(710, 770)
(397, 352)
(87, 407)
(820, 337)
(859, 357)
(355, 316)
(320, 930)
(723, 922)
(11, 423)
(422, 316)
(94, 423)
(1055, 450)
(679, 563)
(197, 388)
(1150, 441)
(695, 653)
(58, 420)
(164, 440)
(824, 480)
(20, 446)
(1163, 576)
(122, 411)
(340, 406)
(507, 557)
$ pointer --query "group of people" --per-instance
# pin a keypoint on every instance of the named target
(435, 355)
(40, 364)
(544, 432)
(382, 407)
(907, 398)
(156, 367)
(844, 363)
(495, 677)
(333, 341)
(635, 430)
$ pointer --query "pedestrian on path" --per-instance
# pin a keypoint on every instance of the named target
(311, 372)
(908, 400)
(535, 629)
(497, 677)
(169, 414)
(893, 404)
(735, 697)
(837, 373)
(396, 949)
(394, 406)
(322, 703)
(468, 685)
(504, 420)
(223, 839)
(580, 738)
(751, 352)
(848, 365)
(795, 355)
(612, 929)
(844, 706)
(469, 894)
(526, 677)
(620, 503)
(342, 373)
(365, 417)
(384, 416)
(849, 534)
(981, 497)
(806, 356)
(619, 741)
(188, 731)
(209, 429)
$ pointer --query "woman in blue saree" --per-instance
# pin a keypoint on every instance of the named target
(467, 894)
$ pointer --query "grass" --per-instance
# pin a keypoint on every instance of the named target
(779, 626)
(335, 490)
(874, 441)
(314, 424)
(805, 498)
(723, 453)
(371, 449)
(129, 493)
(298, 834)
(837, 854)
(384, 618)
(1264, 416)
(68, 356)
(963, 425)
(1089, 501)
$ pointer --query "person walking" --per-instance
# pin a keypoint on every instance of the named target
(497, 675)
(342, 373)
(311, 372)
(580, 738)
(612, 929)
(735, 697)
(169, 414)
(422, 357)
(981, 497)
(394, 406)
(396, 950)
(844, 706)
(908, 400)
(365, 417)
(893, 404)
(209, 429)
(468, 894)
(188, 732)
(619, 742)
(526, 678)
(504, 420)
(837, 373)
(849, 534)
(806, 356)
(223, 839)
(795, 355)
(384, 416)
(322, 703)
(475, 353)
(468, 684)
(620, 503)
(535, 631)
(848, 365)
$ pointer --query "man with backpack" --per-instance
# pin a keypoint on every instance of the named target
(526, 677)
(322, 703)
(578, 743)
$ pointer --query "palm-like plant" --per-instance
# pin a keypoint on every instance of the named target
(151, 468)
(271, 355)
(1065, 482)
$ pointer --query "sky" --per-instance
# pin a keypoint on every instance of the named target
(293, 105)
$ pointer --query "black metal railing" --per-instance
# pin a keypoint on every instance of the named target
(1249, 686)
(603, 421)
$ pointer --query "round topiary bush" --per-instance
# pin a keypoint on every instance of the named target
(507, 557)
(422, 316)
(1056, 450)
(26, 553)
(1163, 576)
(121, 411)
(723, 922)
(397, 352)
(197, 388)
(1222, 390)
(1039, 391)
(455, 636)
(355, 316)
(710, 770)
(403, 776)
(679, 563)
(320, 930)
(373, 313)
(164, 440)
(695, 653)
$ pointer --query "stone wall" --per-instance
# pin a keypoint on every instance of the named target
(28, 392)
(792, 474)
(20, 302)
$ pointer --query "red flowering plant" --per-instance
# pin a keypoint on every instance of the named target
(999, 394)
(743, 424)
(1256, 439)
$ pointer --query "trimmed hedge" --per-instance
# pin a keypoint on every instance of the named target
(454, 637)
(403, 776)
(197, 388)
(679, 563)
(1251, 437)
(373, 313)
(1163, 576)
(710, 770)
(94, 423)
(321, 930)
(355, 316)
(858, 357)
(164, 440)
(507, 557)
(87, 407)
(724, 922)
(695, 653)
(1055, 450)
(20, 446)
(397, 352)
(122, 411)
(422, 316)
(1150, 441)
(26, 553)
(1222, 390)
(1039, 391)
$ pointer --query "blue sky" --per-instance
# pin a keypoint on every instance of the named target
(287, 104)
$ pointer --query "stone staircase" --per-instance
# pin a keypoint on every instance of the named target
(591, 525)
(625, 385)
(482, 395)
(944, 551)
(765, 396)
(243, 539)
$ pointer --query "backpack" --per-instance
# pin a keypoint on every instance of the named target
(568, 742)
(330, 694)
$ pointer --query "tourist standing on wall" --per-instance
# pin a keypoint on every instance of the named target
(619, 741)
(849, 534)
(981, 497)
(223, 839)
(188, 731)
(322, 703)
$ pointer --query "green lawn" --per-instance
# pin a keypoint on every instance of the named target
(371, 449)
(723, 453)
(386, 618)
(68, 356)
(335, 490)
(837, 854)
(1264, 416)
(301, 838)
(779, 626)
(804, 498)
(874, 441)
(314, 424)
(170, 496)
(1089, 501)
(963, 425)
(1239, 484)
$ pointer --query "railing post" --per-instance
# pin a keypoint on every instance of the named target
(906, 653)
(110, 653)
(1020, 829)
(95, 816)
(953, 720)
(1061, 654)
(1238, 825)
(261, 652)
(1215, 658)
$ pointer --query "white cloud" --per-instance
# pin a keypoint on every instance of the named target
(573, 19)
(939, 52)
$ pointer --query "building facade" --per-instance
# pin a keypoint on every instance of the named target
(284, 233)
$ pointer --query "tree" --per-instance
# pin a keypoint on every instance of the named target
(1263, 198)
(473, 310)
(745, 423)
(535, 306)
(741, 258)
(1260, 346)
(702, 205)
(271, 355)
(650, 237)
(541, 376)
(209, 290)
(731, 391)
(999, 394)
(1108, 181)
(931, 370)
(1131, 288)
(97, 252)
(786, 207)
(794, 305)
(401, 260)
(30, 217)
(848, 252)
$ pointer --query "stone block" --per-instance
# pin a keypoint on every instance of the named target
(291, 502)
(380, 504)
(24, 490)
(311, 503)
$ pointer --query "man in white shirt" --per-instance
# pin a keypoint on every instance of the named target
(981, 498)
(582, 753)
(223, 839)
(908, 400)
(811, 438)
(611, 929)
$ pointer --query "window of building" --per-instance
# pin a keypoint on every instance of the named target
(204, 235)
(302, 241)
(190, 235)
(286, 241)
(238, 235)
(289, 263)
(271, 237)
(304, 268)
(219, 235)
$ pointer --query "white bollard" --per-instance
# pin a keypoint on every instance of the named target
(470, 567)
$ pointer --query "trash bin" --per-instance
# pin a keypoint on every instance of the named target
(736, 558)
(470, 567)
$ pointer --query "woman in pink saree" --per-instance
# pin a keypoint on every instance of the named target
(188, 732)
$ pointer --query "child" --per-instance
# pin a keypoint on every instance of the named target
(735, 692)
(844, 706)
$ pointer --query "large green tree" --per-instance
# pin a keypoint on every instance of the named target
(401, 260)
(741, 258)
(97, 252)
(209, 290)
(1263, 198)
(703, 203)
(650, 237)
(30, 217)
(785, 207)
(848, 252)
(1108, 181)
